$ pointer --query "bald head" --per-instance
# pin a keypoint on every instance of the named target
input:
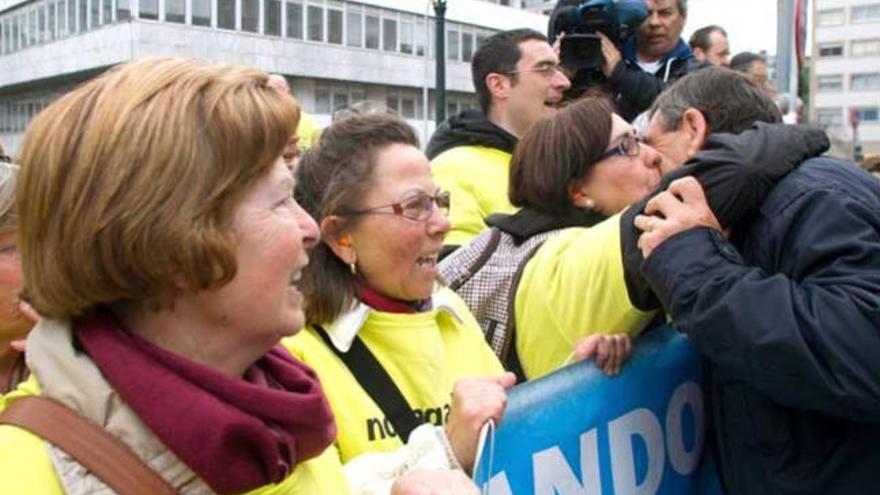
(278, 83)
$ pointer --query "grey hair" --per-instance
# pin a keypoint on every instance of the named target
(729, 101)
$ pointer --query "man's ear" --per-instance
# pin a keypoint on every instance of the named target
(697, 129)
(333, 234)
(498, 84)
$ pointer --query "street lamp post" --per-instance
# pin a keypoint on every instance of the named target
(440, 19)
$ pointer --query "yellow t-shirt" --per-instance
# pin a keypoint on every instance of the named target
(25, 466)
(573, 287)
(308, 131)
(477, 178)
(424, 353)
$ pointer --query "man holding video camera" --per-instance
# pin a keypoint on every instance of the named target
(646, 62)
(654, 58)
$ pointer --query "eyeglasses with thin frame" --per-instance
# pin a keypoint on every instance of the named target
(419, 207)
(546, 70)
(629, 146)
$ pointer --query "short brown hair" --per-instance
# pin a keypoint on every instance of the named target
(333, 177)
(129, 182)
(557, 153)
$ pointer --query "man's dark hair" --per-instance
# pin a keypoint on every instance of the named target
(557, 153)
(499, 53)
(729, 101)
(741, 62)
(702, 37)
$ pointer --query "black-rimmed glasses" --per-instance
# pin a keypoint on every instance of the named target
(418, 207)
(629, 146)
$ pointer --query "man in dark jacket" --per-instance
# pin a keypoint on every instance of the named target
(785, 309)
(651, 60)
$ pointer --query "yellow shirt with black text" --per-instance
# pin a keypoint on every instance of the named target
(424, 354)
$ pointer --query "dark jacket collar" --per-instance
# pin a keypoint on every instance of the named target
(681, 51)
(528, 221)
(469, 128)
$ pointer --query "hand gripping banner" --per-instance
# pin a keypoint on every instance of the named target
(578, 432)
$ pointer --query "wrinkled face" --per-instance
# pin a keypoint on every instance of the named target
(273, 234)
(396, 255)
(13, 324)
(536, 89)
(660, 32)
(672, 145)
(620, 179)
(719, 50)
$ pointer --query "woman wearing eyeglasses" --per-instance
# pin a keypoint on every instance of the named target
(570, 171)
(371, 290)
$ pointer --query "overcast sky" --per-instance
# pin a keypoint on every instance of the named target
(750, 24)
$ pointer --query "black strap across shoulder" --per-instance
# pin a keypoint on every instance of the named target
(377, 383)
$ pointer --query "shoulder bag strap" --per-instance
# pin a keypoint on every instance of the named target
(373, 378)
(91, 446)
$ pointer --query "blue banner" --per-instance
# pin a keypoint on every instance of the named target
(578, 432)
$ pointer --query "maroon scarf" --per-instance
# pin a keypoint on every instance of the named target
(381, 302)
(237, 434)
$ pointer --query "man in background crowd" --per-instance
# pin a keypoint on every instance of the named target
(649, 61)
(518, 81)
(754, 66)
(709, 45)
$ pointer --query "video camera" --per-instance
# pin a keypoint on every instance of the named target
(581, 20)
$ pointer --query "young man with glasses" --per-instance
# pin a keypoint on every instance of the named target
(517, 79)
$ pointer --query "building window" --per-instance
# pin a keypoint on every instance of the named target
(315, 23)
(106, 12)
(354, 26)
(467, 46)
(421, 37)
(372, 31)
(831, 50)
(148, 9)
(294, 20)
(865, 13)
(71, 16)
(389, 35)
(407, 37)
(831, 17)
(61, 14)
(50, 22)
(830, 84)
(201, 12)
(322, 100)
(272, 17)
(453, 45)
(84, 13)
(226, 14)
(334, 26)
(865, 48)
(829, 116)
(94, 13)
(868, 114)
(175, 11)
(250, 16)
(123, 10)
(865, 82)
